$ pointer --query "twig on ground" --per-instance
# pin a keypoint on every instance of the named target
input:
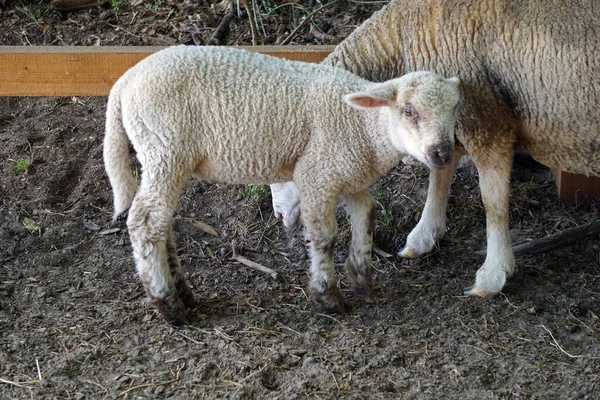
(206, 228)
(558, 345)
(220, 32)
(304, 21)
(556, 240)
(252, 264)
(191, 339)
(380, 252)
(77, 5)
(19, 384)
(177, 371)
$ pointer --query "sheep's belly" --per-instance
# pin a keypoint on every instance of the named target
(575, 154)
(244, 171)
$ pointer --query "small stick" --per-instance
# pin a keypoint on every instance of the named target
(380, 252)
(304, 21)
(37, 364)
(252, 264)
(558, 345)
(219, 33)
(556, 240)
(19, 384)
(178, 370)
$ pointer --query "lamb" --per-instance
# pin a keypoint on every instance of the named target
(531, 83)
(232, 116)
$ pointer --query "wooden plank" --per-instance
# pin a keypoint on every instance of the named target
(575, 188)
(91, 71)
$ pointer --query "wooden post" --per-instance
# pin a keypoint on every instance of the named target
(574, 188)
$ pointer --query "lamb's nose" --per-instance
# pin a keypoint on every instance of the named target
(440, 156)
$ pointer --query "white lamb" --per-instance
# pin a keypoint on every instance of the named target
(233, 116)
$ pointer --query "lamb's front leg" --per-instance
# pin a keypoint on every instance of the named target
(320, 232)
(361, 208)
(494, 181)
(432, 225)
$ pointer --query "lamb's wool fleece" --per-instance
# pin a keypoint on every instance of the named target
(530, 72)
(255, 136)
(233, 116)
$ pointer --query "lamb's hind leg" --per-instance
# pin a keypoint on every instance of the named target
(361, 208)
(320, 232)
(183, 290)
(149, 224)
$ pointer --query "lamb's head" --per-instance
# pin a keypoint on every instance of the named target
(421, 114)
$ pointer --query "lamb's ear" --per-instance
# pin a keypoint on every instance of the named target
(454, 81)
(378, 97)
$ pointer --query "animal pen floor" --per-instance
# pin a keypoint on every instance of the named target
(73, 322)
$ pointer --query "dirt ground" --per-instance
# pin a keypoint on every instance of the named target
(74, 323)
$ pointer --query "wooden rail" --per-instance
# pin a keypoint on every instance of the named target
(91, 71)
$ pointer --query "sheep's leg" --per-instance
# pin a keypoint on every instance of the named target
(432, 225)
(361, 208)
(183, 290)
(149, 223)
(494, 180)
(320, 232)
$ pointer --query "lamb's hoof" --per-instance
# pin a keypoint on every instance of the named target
(364, 291)
(187, 297)
(478, 292)
(331, 300)
(408, 252)
(173, 313)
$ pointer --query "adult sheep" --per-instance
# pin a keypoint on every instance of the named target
(530, 72)
(232, 116)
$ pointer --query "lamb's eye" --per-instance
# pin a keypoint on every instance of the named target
(411, 113)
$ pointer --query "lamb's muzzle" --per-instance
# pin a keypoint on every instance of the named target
(440, 156)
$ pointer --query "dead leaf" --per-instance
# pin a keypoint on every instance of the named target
(31, 225)
(206, 228)
(109, 231)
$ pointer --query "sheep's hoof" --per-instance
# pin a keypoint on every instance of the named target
(331, 300)
(407, 252)
(478, 292)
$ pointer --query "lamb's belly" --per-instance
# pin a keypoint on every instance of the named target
(244, 172)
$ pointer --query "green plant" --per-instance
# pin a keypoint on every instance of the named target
(255, 192)
(117, 4)
(136, 172)
(385, 216)
(21, 165)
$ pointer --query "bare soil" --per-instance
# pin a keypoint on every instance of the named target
(74, 323)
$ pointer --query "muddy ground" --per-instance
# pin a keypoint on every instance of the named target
(74, 324)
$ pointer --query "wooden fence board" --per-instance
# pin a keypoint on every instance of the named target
(91, 71)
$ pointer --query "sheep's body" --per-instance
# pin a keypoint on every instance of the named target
(531, 82)
(232, 116)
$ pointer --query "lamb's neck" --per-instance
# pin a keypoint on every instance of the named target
(376, 126)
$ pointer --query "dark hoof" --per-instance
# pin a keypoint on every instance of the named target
(361, 284)
(173, 311)
(331, 300)
(187, 297)
(364, 291)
